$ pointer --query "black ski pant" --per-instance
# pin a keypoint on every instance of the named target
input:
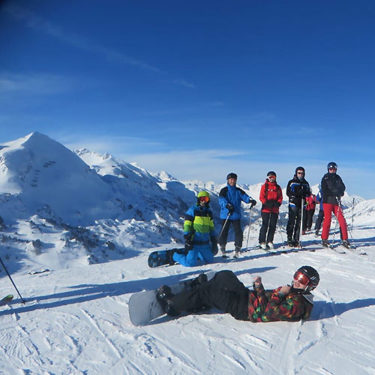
(238, 235)
(294, 223)
(268, 228)
(308, 219)
(319, 221)
(224, 292)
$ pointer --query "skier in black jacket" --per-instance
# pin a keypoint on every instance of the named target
(332, 190)
(297, 190)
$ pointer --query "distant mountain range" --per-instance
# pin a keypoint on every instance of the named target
(93, 200)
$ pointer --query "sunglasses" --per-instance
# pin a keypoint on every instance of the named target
(204, 199)
(300, 172)
(301, 278)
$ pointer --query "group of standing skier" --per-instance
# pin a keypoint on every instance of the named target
(225, 291)
(201, 242)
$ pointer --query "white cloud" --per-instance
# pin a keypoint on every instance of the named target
(39, 84)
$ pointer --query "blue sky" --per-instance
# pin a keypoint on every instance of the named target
(197, 88)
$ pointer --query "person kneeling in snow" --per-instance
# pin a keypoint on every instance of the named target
(226, 293)
(198, 232)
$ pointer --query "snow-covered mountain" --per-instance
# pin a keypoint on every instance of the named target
(76, 229)
(96, 205)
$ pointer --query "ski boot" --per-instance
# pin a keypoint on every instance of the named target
(270, 246)
(346, 244)
(263, 246)
(170, 259)
(297, 244)
(325, 243)
(237, 252)
(222, 249)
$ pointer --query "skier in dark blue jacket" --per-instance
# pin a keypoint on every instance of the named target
(297, 190)
(230, 199)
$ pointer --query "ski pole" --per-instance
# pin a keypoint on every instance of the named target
(352, 225)
(224, 225)
(342, 212)
(2, 263)
(301, 224)
(281, 234)
(334, 233)
(248, 230)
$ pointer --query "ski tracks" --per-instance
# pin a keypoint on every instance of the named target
(101, 333)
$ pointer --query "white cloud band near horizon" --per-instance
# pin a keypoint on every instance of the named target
(214, 164)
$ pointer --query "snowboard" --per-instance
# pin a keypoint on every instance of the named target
(6, 300)
(162, 257)
(144, 307)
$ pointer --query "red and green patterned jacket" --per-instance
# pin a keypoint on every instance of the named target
(270, 306)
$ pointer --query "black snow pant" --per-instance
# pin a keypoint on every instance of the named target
(224, 292)
(238, 235)
(294, 223)
(308, 219)
(269, 220)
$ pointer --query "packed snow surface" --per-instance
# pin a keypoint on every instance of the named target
(77, 272)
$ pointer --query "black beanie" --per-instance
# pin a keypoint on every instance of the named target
(231, 175)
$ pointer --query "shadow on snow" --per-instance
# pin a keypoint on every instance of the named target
(90, 292)
(324, 310)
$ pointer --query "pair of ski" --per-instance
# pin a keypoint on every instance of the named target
(340, 249)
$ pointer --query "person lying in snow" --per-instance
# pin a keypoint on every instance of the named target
(226, 293)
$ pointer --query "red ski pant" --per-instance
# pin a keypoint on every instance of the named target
(328, 209)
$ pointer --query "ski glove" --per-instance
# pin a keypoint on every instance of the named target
(252, 203)
(230, 208)
(188, 242)
(271, 204)
(214, 247)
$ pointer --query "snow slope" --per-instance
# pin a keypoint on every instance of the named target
(77, 281)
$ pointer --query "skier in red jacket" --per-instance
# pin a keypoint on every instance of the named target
(271, 197)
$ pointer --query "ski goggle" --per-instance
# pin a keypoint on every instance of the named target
(332, 168)
(301, 278)
(204, 199)
(300, 172)
(271, 176)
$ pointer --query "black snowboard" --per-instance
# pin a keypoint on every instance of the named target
(163, 257)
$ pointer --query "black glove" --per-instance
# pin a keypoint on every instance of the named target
(269, 204)
(188, 242)
(230, 208)
(252, 203)
(214, 247)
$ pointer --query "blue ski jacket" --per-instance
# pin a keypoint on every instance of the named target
(233, 195)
